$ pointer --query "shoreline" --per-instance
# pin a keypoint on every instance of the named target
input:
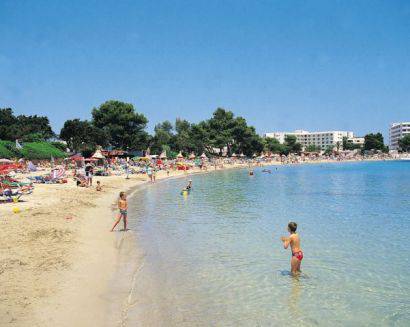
(62, 270)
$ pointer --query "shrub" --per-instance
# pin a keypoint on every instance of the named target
(59, 145)
(30, 150)
(5, 152)
(41, 150)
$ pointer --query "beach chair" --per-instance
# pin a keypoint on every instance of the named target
(9, 195)
(57, 175)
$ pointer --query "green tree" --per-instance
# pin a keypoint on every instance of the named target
(244, 138)
(7, 121)
(26, 128)
(313, 148)
(163, 138)
(81, 135)
(329, 150)
(199, 138)
(404, 143)
(374, 142)
(124, 127)
(183, 137)
(36, 128)
(274, 146)
(346, 145)
(220, 128)
(291, 143)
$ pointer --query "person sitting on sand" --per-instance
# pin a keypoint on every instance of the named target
(99, 186)
(123, 208)
(294, 241)
(81, 181)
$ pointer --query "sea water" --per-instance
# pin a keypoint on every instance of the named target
(214, 257)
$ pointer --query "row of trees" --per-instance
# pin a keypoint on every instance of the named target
(25, 128)
(113, 123)
(371, 142)
(117, 124)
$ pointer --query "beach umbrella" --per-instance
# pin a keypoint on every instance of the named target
(163, 155)
(254, 155)
(203, 156)
(242, 155)
(180, 156)
(233, 155)
(98, 155)
(192, 156)
(77, 157)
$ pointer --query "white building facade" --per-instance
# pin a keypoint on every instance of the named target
(398, 131)
(321, 140)
(356, 140)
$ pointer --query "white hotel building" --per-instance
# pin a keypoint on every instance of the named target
(397, 131)
(319, 139)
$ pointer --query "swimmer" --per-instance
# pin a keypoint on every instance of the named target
(294, 241)
(187, 188)
(123, 211)
(251, 173)
(267, 171)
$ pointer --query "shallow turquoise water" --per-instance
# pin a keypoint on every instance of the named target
(214, 258)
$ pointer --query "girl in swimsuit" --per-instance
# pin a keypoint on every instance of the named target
(123, 208)
(294, 241)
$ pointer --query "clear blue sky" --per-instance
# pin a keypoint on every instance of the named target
(283, 65)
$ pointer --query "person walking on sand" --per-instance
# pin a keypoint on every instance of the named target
(123, 208)
(294, 241)
(154, 174)
(149, 173)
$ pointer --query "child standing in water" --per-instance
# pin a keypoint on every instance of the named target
(122, 207)
(294, 241)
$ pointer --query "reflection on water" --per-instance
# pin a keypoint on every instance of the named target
(213, 258)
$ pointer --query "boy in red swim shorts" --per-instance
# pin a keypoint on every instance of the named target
(294, 241)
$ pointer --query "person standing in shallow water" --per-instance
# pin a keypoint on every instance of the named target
(123, 208)
(294, 241)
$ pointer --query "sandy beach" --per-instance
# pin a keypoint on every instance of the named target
(58, 258)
